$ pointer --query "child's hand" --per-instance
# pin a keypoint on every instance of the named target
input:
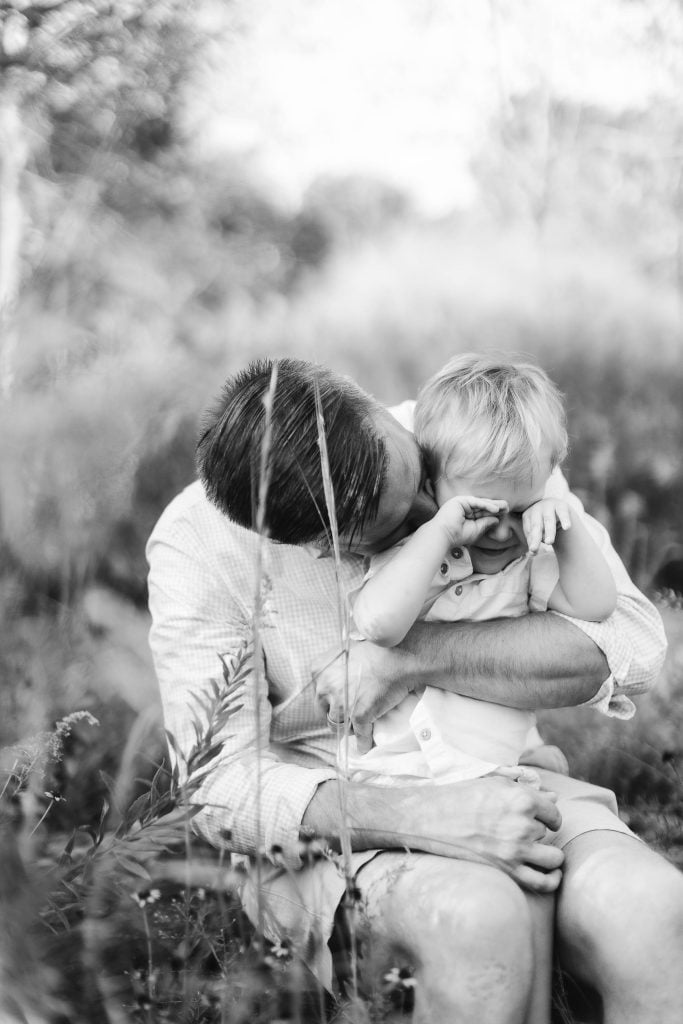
(540, 522)
(466, 518)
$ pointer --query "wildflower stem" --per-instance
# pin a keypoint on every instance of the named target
(42, 818)
(186, 899)
(259, 682)
(150, 962)
(343, 614)
(11, 774)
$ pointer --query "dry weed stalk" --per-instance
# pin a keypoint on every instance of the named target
(344, 637)
(257, 625)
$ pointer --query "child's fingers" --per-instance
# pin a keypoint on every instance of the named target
(485, 522)
(453, 509)
(495, 505)
(549, 525)
(533, 528)
(476, 507)
(563, 517)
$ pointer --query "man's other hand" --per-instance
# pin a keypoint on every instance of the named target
(360, 689)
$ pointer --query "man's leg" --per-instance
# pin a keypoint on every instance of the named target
(620, 927)
(542, 910)
(466, 929)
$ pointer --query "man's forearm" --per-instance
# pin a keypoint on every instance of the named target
(537, 661)
(493, 821)
(362, 811)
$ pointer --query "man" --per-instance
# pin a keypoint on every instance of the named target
(453, 905)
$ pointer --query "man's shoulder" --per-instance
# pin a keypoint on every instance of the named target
(404, 413)
(188, 504)
(191, 512)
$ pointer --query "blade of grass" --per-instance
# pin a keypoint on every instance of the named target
(259, 681)
(343, 623)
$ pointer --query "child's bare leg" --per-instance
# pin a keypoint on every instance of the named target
(542, 912)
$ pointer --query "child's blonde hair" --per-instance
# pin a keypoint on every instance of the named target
(482, 416)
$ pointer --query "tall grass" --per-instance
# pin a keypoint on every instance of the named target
(129, 919)
(152, 917)
(343, 728)
(257, 621)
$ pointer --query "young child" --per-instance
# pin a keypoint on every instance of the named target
(492, 433)
(500, 545)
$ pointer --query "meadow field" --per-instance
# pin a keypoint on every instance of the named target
(138, 268)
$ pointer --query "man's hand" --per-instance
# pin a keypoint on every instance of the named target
(540, 521)
(363, 690)
(494, 821)
(491, 821)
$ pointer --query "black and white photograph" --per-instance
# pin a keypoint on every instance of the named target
(341, 512)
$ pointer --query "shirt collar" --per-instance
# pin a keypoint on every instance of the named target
(477, 576)
(314, 551)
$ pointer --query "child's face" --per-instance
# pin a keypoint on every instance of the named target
(505, 541)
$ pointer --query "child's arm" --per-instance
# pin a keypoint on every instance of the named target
(586, 588)
(390, 601)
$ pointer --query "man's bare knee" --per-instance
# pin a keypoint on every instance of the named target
(427, 895)
(466, 928)
(489, 914)
(612, 886)
(617, 900)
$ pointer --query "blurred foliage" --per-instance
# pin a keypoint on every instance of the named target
(95, 76)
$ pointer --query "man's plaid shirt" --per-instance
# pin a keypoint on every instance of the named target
(202, 594)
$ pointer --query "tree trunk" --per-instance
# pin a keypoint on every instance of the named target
(13, 156)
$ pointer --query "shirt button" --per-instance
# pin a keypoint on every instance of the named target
(443, 568)
(456, 553)
(426, 734)
(458, 590)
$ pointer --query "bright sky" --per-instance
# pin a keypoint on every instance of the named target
(405, 90)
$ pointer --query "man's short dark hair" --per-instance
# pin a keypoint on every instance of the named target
(229, 451)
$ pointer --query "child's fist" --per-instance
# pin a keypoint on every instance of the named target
(465, 518)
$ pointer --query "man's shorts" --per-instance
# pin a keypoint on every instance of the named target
(583, 806)
(299, 907)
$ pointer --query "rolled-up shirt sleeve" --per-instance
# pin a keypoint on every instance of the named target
(250, 799)
(632, 638)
